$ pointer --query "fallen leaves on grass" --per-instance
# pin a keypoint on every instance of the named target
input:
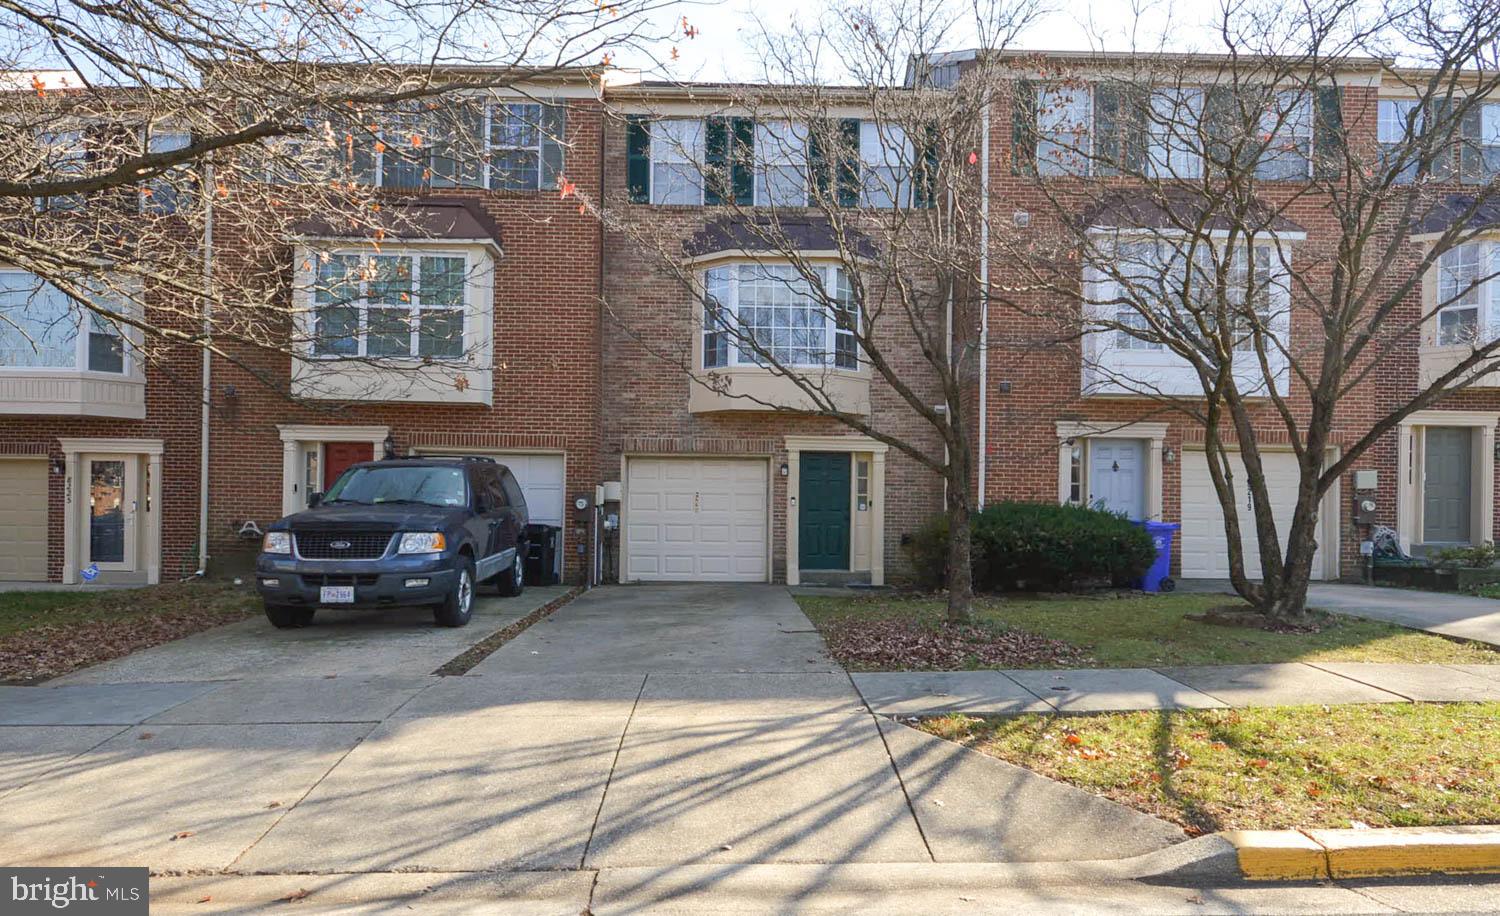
(894, 644)
(126, 622)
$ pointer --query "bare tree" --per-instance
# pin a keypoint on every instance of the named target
(1169, 257)
(141, 142)
(862, 208)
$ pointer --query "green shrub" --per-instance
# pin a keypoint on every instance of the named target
(1480, 556)
(927, 549)
(1037, 547)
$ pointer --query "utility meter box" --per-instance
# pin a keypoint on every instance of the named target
(1366, 480)
(1364, 510)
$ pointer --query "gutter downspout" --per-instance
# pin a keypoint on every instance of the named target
(207, 391)
(984, 299)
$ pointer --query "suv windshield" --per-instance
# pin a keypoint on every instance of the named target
(435, 486)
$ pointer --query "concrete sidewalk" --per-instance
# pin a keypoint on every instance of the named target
(1208, 687)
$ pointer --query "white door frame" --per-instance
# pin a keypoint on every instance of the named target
(294, 440)
(1409, 473)
(1154, 434)
(795, 446)
(132, 504)
(148, 532)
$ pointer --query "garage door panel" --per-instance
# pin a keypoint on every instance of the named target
(542, 482)
(712, 514)
(1205, 554)
(23, 521)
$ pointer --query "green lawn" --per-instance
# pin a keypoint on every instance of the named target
(46, 634)
(1104, 631)
(1273, 768)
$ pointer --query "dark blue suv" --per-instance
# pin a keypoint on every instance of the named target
(402, 531)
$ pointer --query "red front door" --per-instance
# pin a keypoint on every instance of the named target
(337, 456)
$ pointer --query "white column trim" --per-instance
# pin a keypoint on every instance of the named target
(795, 446)
(1155, 435)
(1409, 472)
(149, 548)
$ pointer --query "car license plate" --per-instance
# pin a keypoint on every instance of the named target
(336, 594)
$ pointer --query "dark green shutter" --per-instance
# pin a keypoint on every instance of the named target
(1108, 122)
(1328, 132)
(554, 133)
(925, 174)
(848, 170)
(742, 161)
(1470, 156)
(638, 158)
(715, 160)
(1220, 117)
(1023, 128)
(817, 163)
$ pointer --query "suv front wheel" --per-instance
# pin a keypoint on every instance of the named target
(458, 607)
(513, 581)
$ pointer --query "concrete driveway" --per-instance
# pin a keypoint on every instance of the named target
(636, 727)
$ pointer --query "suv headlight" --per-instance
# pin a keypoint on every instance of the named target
(422, 542)
(277, 542)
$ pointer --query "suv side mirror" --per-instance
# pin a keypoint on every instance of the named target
(314, 500)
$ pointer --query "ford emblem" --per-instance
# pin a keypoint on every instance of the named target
(339, 545)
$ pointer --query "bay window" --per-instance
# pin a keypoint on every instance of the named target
(391, 305)
(760, 314)
(41, 327)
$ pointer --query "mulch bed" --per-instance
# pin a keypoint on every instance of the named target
(894, 644)
(51, 651)
(484, 648)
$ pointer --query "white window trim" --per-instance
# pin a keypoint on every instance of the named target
(1486, 306)
(680, 157)
(1169, 145)
(879, 158)
(1288, 123)
(831, 331)
(489, 146)
(786, 159)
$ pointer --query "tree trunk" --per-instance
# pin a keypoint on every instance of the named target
(960, 556)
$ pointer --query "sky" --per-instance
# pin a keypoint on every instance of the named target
(724, 47)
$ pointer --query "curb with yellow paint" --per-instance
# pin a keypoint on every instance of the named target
(1289, 855)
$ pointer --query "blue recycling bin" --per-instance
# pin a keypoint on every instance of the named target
(1156, 578)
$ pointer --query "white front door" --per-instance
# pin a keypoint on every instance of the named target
(1117, 478)
(1205, 554)
(112, 502)
(696, 519)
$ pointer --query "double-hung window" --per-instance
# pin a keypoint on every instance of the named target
(1249, 285)
(1461, 275)
(1398, 121)
(390, 305)
(885, 165)
(1175, 133)
(41, 327)
(762, 314)
(677, 161)
(161, 194)
(65, 156)
(780, 164)
(515, 146)
(1064, 118)
(1287, 130)
(1136, 287)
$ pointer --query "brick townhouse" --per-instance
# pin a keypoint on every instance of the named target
(561, 322)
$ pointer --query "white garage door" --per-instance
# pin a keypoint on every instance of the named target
(541, 479)
(1204, 551)
(692, 519)
(23, 521)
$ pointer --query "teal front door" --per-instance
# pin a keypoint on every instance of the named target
(823, 511)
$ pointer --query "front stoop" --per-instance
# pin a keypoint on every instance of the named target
(834, 577)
